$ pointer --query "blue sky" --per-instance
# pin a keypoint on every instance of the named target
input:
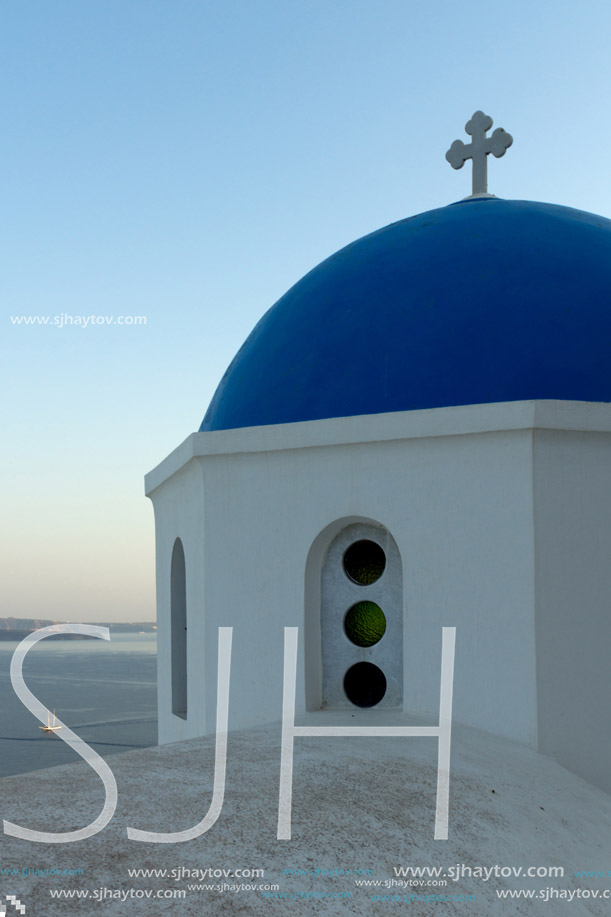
(188, 162)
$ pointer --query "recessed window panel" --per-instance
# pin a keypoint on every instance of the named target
(178, 634)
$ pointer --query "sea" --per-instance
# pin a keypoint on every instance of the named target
(104, 690)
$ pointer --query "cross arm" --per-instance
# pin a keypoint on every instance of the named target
(458, 154)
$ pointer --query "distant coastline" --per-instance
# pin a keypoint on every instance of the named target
(18, 628)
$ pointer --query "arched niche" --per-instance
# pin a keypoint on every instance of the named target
(178, 614)
(353, 632)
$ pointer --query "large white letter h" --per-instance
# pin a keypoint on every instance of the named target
(443, 732)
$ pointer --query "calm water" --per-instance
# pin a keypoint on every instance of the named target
(105, 692)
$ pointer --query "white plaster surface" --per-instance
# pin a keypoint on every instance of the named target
(501, 514)
(459, 507)
(358, 803)
(572, 476)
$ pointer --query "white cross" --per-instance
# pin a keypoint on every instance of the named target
(497, 144)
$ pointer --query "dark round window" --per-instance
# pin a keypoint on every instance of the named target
(365, 623)
(364, 684)
(364, 562)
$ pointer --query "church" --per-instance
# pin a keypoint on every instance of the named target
(416, 436)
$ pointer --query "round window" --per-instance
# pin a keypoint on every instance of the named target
(364, 684)
(365, 624)
(364, 562)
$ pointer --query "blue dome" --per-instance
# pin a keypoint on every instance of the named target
(481, 301)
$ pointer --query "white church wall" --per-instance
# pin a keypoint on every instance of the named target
(178, 514)
(573, 594)
(459, 507)
(467, 549)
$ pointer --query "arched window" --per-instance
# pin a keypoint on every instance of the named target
(361, 624)
(178, 608)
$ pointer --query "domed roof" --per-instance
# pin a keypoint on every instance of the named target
(482, 301)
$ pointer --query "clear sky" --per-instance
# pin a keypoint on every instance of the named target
(188, 162)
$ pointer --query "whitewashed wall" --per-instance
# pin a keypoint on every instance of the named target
(257, 508)
(573, 599)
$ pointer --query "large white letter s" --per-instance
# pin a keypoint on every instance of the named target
(81, 748)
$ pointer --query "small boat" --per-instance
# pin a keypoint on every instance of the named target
(51, 726)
